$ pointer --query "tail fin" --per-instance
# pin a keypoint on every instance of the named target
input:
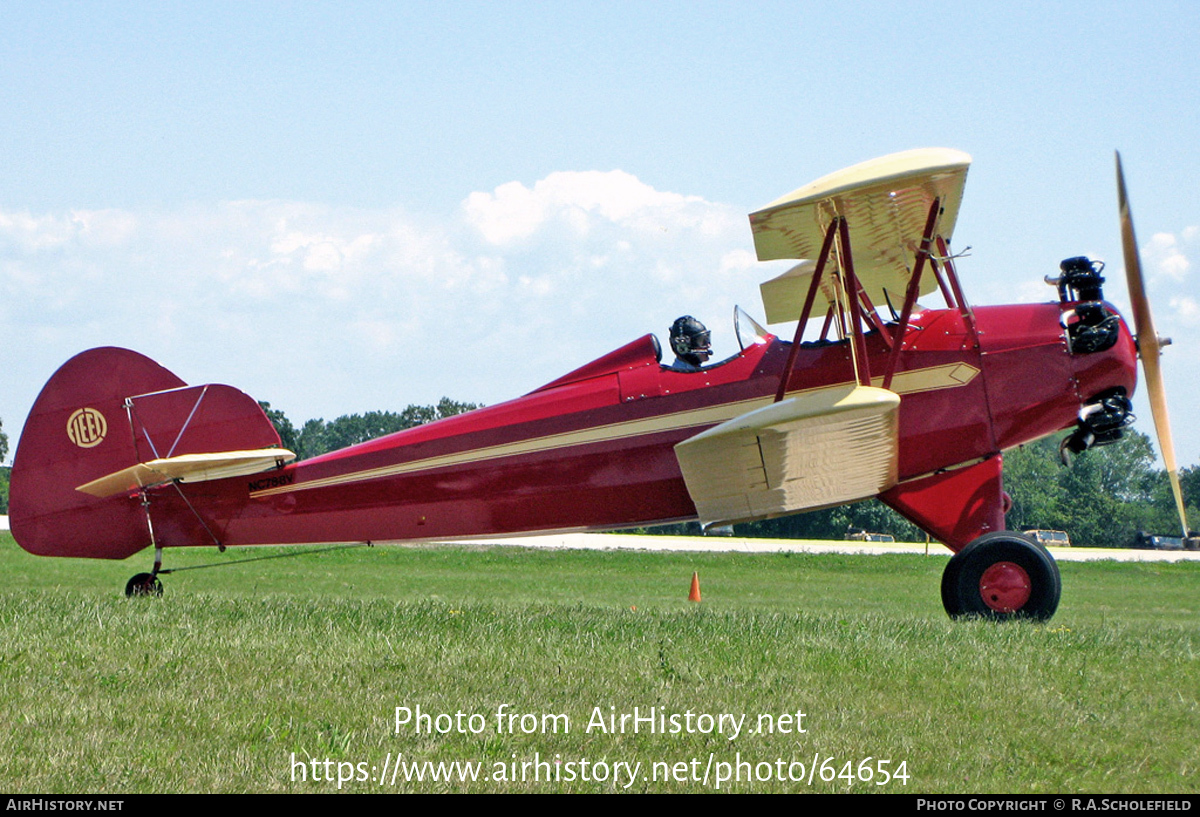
(105, 411)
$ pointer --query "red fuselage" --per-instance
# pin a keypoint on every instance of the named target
(594, 449)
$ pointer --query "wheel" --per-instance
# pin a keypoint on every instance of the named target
(1002, 576)
(143, 584)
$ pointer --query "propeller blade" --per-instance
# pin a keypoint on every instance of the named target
(1149, 346)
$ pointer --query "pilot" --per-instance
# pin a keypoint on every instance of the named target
(692, 343)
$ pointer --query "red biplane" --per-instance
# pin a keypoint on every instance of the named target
(890, 399)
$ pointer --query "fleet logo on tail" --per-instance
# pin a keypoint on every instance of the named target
(86, 428)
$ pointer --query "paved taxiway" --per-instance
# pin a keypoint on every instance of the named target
(609, 541)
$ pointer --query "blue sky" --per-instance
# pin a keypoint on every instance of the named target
(347, 207)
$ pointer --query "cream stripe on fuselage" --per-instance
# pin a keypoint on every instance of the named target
(947, 376)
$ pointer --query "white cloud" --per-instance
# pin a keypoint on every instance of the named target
(1166, 255)
(105, 228)
(512, 212)
(581, 200)
(325, 310)
(26, 233)
(1186, 309)
(1168, 260)
(739, 261)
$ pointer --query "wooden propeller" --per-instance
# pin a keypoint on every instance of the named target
(1149, 345)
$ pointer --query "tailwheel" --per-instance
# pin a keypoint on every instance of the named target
(143, 584)
(1002, 576)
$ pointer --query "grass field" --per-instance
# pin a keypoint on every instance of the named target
(239, 678)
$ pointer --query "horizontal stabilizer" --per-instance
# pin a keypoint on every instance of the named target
(188, 468)
(818, 449)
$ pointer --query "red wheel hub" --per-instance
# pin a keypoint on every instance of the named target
(1005, 587)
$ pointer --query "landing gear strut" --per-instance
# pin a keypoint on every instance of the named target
(147, 584)
(1002, 576)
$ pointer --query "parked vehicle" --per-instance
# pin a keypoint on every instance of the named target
(1055, 538)
(867, 536)
(1152, 541)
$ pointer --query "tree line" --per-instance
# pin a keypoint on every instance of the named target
(1103, 499)
(319, 436)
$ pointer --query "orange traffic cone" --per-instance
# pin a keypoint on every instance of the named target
(695, 594)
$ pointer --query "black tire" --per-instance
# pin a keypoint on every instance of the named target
(1002, 576)
(950, 595)
(143, 584)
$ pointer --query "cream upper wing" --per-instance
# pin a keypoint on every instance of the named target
(885, 203)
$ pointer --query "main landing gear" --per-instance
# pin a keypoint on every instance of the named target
(1003, 576)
